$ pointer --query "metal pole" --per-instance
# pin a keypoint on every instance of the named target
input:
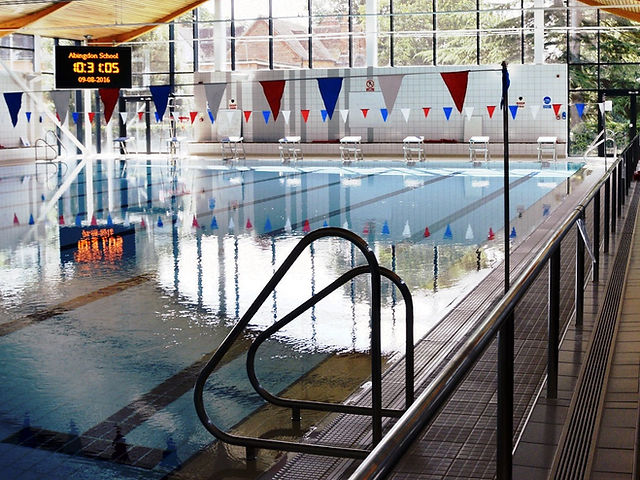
(605, 226)
(614, 199)
(579, 293)
(553, 324)
(596, 238)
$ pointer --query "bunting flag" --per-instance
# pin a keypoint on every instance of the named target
(426, 111)
(160, 95)
(214, 223)
(61, 101)
(305, 115)
(514, 110)
(123, 117)
(469, 234)
(306, 227)
(211, 117)
(364, 111)
(157, 117)
(247, 114)
(286, 114)
(385, 113)
(390, 85)
(273, 90)
(329, 90)
(75, 116)
(556, 108)
(324, 114)
(447, 232)
(406, 232)
(385, 228)
(92, 115)
(506, 83)
(468, 111)
(427, 233)
(580, 109)
(457, 84)
(267, 225)
(344, 114)
(534, 111)
(266, 114)
(405, 114)
(447, 111)
(14, 104)
(109, 97)
(140, 114)
(491, 109)
(28, 114)
(287, 226)
(601, 106)
(193, 116)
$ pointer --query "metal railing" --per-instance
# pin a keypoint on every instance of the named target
(375, 411)
(49, 149)
(616, 184)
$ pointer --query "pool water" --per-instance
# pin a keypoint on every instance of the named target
(110, 304)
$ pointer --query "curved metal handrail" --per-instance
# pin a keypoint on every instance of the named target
(375, 410)
(333, 407)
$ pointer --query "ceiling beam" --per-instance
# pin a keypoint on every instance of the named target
(131, 34)
(10, 26)
(621, 12)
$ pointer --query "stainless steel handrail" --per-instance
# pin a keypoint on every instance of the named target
(385, 455)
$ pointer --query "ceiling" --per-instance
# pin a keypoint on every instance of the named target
(118, 21)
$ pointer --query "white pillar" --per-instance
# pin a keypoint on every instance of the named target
(538, 29)
(219, 37)
(371, 27)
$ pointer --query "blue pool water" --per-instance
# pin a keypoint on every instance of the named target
(90, 335)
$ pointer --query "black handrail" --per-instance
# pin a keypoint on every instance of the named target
(426, 407)
(375, 411)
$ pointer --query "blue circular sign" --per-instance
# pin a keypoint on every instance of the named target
(546, 100)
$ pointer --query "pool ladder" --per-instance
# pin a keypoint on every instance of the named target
(375, 411)
(49, 155)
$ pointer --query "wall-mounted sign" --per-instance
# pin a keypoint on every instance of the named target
(93, 67)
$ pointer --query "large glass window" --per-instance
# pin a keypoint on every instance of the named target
(330, 26)
(456, 32)
(500, 32)
(413, 32)
(290, 34)
(16, 50)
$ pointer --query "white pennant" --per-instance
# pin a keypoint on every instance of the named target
(405, 113)
(344, 114)
(469, 234)
(407, 231)
(123, 116)
(345, 225)
(601, 106)
(287, 226)
(286, 114)
(468, 112)
(231, 225)
(534, 111)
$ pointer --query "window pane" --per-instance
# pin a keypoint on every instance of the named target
(413, 37)
(455, 32)
(583, 130)
(184, 43)
(209, 30)
(618, 45)
(330, 34)
(583, 45)
(500, 26)
(291, 35)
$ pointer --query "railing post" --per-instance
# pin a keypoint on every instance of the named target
(596, 238)
(505, 400)
(605, 226)
(620, 189)
(614, 199)
(579, 293)
(553, 320)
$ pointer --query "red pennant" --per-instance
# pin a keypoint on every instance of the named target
(365, 230)
(273, 91)
(457, 84)
(305, 115)
(364, 112)
(306, 228)
(195, 223)
(491, 235)
(61, 220)
(247, 114)
(556, 108)
(92, 115)
(58, 117)
(193, 116)
(15, 219)
(426, 111)
(427, 233)
(94, 222)
(249, 226)
(140, 114)
(109, 97)
(491, 109)
(143, 224)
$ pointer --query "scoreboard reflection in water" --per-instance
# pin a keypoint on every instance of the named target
(97, 244)
(93, 67)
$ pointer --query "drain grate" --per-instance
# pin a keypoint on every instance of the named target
(573, 452)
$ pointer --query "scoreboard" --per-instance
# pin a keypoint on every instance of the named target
(93, 67)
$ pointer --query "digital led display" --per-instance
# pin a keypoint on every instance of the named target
(93, 67)
(97, 244)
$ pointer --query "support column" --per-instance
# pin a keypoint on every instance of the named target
(219, 37)
(371, 27)
(538, 32)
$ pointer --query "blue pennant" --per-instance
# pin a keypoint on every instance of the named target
(214, 223)
(385, 228)
(329, 90)
(109, 221)
(266, 114)
(513, 232)
(211, 117)
(447, 232)
(267, 226)
(78, 220)
(514, 110)
(31, 221)
(385, 113)
(447, 111)
(160, 224)
(28, 114)
(75, 116)
(324, 115)
(325, 224)
(580, 109)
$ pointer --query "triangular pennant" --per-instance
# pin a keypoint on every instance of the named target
(344, 114)
(491, 109)
(14, 104)
(491, 235)
(123, 117)
(61, 219)
(405, 113)
(109, 221)
(324, 114)
(231, 224)
(390, 85)
(457, 84)
(28, 114)
(160, 95)
(194, 222)
(406, 232)
(513, 233)
(94, 221)
(193, 116)
(266, 114)
(601, 106)
(469, 234)
(61, 101)
(75, 116)
(580, 109)
(329, 90)
(249, 225)
(345, 225)
(385, 113)
(447, 232)
(534, 111)
(427, 233)
(31, 220)
(211, 118)
(426, 111)
(267, 225)
(157, 117)
(287, 226)
(514, 111)
(273, 90)
(447, 111)
(305, 115)
(15, 219)
(325, 224)
(160, 224)
(214, 92)
(247, 114)
(468, 111)
(214, 223)
(143, 223)
(306, 227)
(109, 97)
(385, 228)
(286, 114)
(364, 111)
(556, 108)
(140, 114)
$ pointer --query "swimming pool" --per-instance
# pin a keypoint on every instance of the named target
(104, 333)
